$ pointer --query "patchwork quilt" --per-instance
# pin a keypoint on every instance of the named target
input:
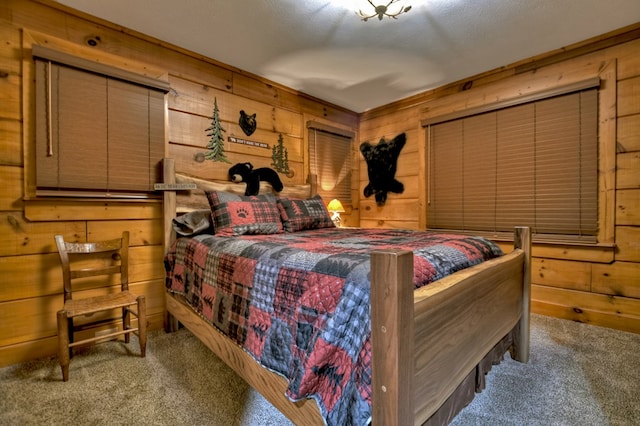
(299, 302)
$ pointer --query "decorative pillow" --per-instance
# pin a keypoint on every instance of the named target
(193, 223)
(238, 214)
(298, 215)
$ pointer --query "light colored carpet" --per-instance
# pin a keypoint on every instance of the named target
(577, 375)
(179, 382)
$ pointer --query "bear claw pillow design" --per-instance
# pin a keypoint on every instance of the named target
(381, 166)
(237, 215)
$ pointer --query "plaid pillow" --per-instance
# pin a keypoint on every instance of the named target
(237, 214)
(298, 215)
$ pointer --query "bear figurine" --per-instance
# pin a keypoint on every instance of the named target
(244, 172)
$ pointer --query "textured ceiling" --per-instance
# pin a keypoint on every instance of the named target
(322, 48)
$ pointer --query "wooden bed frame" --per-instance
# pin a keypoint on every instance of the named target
(420, 356)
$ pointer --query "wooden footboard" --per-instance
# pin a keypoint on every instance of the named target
(421, 355)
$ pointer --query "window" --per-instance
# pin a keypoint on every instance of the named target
(330, 161)
(99, 130)
(533, 164)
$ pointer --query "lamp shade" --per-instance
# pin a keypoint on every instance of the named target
(335, 206)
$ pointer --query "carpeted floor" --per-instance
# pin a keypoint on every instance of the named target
(577, 375)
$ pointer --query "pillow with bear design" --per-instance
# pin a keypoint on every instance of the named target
(238, 215)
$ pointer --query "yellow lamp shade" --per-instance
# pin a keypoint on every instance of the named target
(335, 206)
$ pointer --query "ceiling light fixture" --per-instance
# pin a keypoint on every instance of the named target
(384, 10)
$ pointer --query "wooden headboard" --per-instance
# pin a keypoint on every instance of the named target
(178, 201)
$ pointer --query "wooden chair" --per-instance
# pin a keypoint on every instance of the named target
(114, 255)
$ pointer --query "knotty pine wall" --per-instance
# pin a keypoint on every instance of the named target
(596, 285)
(30, 276)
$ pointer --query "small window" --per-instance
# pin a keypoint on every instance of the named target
(97, 132)
(330, 161)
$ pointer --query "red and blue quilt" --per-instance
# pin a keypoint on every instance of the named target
(299, 302)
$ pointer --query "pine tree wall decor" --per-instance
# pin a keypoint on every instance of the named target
(280, 157)
(216, 138)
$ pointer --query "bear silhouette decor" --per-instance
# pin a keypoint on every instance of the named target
(244, 172)
(382, 162)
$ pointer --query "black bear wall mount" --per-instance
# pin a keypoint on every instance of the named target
(382, 162)
(247, 122)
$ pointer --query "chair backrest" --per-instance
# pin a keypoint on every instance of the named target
(118, 247)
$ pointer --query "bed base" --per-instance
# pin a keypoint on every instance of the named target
(271, 385)
(422, 357)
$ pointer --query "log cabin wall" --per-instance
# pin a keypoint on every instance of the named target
(31, 283)
(598, 285)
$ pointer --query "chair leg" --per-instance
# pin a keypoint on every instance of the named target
(63, 344)
(126, 323)
(70, 335)
(142, 324)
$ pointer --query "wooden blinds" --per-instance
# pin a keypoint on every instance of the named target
(330, 161)
(96, 133)
(533, 164)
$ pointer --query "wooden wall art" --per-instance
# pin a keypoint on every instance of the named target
(280, 158)
(216, 138)
(247, 122)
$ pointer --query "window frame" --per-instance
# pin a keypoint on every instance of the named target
(311, 125)
(481, 99)
(157, 90)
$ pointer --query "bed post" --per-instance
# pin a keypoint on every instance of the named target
(169, 211)
(169, 201)
(520, 350)
(392, 337)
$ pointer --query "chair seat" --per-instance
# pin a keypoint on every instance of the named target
(91, 305)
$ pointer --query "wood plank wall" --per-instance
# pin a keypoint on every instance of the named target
(31, 281)
(596, 285)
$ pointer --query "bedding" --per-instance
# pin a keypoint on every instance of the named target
(299, 302)
(237, 215)
(300, 214)
(193, 223)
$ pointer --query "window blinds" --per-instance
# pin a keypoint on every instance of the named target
(95, 133)
(330, 161)
(533, 164)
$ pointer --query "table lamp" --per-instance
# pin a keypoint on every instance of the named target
(335, 207)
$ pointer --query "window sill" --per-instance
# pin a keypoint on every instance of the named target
(594, 253)
(41, 209)
(584, 251)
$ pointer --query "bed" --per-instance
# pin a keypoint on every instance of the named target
(426, 361)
